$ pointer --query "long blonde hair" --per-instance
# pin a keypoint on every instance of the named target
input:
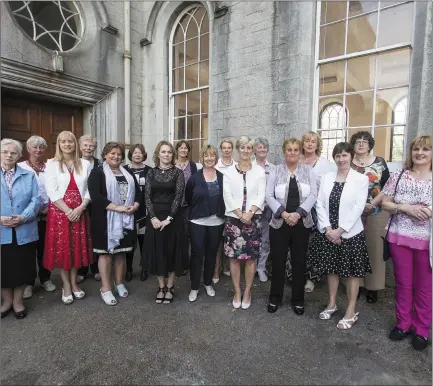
(59, 154)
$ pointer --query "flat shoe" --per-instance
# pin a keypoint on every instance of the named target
(419, 343)
(397, 334)
(298, 310)
(21, 314)
(272, 308)
(236, 304)
(326, 314)
(345, 324)
(122, 291)
(67, 299)
(79, 294)
(108, 298)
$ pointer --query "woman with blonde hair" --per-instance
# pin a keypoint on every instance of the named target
(408, 195)
(67, 243)
(163, 195)
(204, 195)
(244, 198)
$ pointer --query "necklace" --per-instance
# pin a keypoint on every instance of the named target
(36, 168)
(70, 166)
(229, 164)
(164, 169)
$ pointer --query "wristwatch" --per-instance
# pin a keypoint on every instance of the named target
(169, 218)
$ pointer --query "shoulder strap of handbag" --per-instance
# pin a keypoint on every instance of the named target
(395, 191)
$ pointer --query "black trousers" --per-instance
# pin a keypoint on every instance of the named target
(43, 273)
(204, 243)
(296, 239)
(130, 255)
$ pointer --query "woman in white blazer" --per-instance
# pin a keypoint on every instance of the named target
(244, 197)
(339, 248)
(67, 242)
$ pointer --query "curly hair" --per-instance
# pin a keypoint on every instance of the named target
(158, 148)
(140, 147)
(362, 135)
(291, 141)
(110, 146)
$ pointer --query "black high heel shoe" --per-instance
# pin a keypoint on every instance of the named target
(143, 275)
(272, 308)
(371, 296)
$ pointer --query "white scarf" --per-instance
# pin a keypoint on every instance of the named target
(117, 222)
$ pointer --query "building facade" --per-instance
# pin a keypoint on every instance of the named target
(203, 71)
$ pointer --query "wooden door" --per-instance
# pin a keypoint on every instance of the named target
(23, 117)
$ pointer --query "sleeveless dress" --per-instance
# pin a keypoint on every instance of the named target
(67, 244)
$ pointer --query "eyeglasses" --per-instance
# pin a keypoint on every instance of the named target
(361, 142)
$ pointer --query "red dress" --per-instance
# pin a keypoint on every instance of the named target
(67, 244)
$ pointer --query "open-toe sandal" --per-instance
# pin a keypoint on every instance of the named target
(326, 314)
(108, 298)
(346, 323)
(121, 290)
(162, 290)
(169, 300)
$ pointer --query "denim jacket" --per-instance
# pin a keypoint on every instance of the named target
(26, 201)
(277, 190)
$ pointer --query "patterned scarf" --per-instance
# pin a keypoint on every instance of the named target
(9, 177)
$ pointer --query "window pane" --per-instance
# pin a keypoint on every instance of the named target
(204, 125)
(395, 25)
(204, 101)
(179, 128)
(351, 132)
(387, 3)
(179, 105)
(362, 33)
(178, 55)
(178, 35)
(204, 47)
(191, 51)
(192, 76)
(333, 11)
(193, 126)
(388, 145)
(360, 107)
(331, 115)
(360, 73)
(332, 40)
(204, 73)
(393, 68)
(204, 25)
(359, 7)
(195, 150)
(400, 112)
(386, 101)
(193, 102)
(198, 15)
(178, 78)
(331, 78)
(192, 30)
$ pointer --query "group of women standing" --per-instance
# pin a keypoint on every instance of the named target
(177, 206)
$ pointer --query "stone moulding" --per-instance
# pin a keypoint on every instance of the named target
(34, 80)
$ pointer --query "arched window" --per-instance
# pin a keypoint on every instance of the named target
(332, 123)
(397, 132)
(56, 25)
(189, 78)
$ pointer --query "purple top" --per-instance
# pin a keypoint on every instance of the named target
(405, 230)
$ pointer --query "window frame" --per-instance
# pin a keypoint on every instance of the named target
(345, 57)
(172, 94)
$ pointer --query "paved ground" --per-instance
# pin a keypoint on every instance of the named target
(207, 342)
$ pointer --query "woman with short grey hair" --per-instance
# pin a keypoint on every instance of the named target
(35, 163)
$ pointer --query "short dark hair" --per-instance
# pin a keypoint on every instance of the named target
(363, 135)
(140, 147)
(110, 146)
(342, 146)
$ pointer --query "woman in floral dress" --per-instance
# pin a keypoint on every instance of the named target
(244, 197)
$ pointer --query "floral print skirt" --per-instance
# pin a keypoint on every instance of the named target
(243, 241)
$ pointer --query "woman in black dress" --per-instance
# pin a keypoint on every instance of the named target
(137, 155)
(163, 194)
(115, 198)
(339, 248)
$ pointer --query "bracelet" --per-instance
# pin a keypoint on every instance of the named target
(169, 218)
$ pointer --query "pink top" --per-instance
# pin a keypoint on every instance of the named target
(404, 230)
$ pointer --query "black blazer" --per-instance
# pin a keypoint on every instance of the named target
(197, 195)
(98, 194)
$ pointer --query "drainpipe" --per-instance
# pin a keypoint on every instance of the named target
(127, 69)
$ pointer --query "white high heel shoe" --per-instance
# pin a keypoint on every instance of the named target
(79, 294)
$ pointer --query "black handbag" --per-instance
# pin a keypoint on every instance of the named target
(386, 247)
